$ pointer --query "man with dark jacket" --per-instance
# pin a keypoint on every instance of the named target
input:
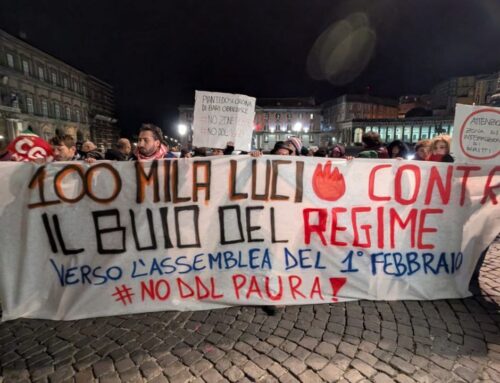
(122, 151)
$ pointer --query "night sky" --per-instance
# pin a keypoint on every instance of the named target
(157, 53)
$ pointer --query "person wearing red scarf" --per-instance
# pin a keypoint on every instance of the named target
(441, 149)
(150, 145)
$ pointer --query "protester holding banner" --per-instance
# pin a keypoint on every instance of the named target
(337, 151)
(282, 149)
(64, 148)
(397, 149)
(372, 143)
(441, 149)
(89, 150)
(216, 152)
(122, 151)
(229, 148)
(423, 150)
(151, 145)
(296, 145)
(186, 153)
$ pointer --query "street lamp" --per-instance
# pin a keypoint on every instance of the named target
(182, 129)
(297, 127)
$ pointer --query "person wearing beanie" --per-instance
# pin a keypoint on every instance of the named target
(297, 145)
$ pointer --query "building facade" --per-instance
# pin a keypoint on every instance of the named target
(485, 88)
(452, 91)
(276, 119)
(495, 97)
(414, 104)
(103, 129)
(342, 120)
(42, 92)
(339, 112)
(409, 130)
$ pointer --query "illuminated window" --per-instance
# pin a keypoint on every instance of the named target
(407, 134)
(45, 108)
(29, 105)
(383, 131)
(399, 133)
(57, 110)
(415, 135)
(41, 74)
(26, 67)
(390, 134)
(10, 60)
(424, 134)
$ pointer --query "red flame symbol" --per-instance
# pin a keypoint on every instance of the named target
(327, 184)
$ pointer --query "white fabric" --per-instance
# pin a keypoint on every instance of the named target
(38, 281)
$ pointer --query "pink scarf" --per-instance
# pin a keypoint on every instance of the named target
(158, 155)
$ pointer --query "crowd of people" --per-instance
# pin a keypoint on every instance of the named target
(151, 146)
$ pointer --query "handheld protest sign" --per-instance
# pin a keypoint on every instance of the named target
(223, 117)
(477, 134)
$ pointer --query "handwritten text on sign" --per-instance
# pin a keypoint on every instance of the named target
(478, 134)
(223, 117)
(82, 241)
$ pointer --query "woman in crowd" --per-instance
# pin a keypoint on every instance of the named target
(441, 149)
(337, 151)
(295, 143)
(423, 150)
(397, 149)
(282, 149)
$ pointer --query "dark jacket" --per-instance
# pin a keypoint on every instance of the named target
(380, 150)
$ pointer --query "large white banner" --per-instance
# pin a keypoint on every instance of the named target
(220, 118)
(476, 134)
(81, 240)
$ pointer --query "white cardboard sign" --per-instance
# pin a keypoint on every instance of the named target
(220, 118)
(477, 134)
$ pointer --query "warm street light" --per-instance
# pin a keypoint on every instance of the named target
(297, 127)
(182, 129)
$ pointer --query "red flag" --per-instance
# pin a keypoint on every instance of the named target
(30, 148)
